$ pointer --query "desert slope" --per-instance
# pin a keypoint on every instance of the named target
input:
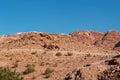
(80, 55)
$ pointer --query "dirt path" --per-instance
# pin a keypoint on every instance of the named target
(54, 52)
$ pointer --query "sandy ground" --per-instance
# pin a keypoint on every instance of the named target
(43, 59)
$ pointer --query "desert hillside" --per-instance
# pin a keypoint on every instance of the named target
(80, 55)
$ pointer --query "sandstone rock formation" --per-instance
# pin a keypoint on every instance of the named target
(110, 39)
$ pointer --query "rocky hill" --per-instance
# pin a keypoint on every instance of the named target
(78, 40)
(80, 55)
(109, 40)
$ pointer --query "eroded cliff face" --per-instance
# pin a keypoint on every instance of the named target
(117, 46)
(107, 40)
(110, 39)
(89, 37)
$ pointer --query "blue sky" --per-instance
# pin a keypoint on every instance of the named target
(58, 16)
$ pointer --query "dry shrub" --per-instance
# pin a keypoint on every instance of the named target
(48, 72)
(29, 69)
(58, 54)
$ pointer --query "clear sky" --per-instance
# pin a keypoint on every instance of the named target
(58, 16)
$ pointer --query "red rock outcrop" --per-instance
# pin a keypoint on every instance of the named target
(87, 36)
(117, 46)
(109, 40)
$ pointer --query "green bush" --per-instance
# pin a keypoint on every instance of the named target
(7, 74)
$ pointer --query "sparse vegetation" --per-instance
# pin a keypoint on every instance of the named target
(15, 65)
(7, 74)
(58, 54)
(69, 54)
(42, 64)
(34, 53)
(17, 61)
(48, 72)
(88, 55)
(29, 69)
